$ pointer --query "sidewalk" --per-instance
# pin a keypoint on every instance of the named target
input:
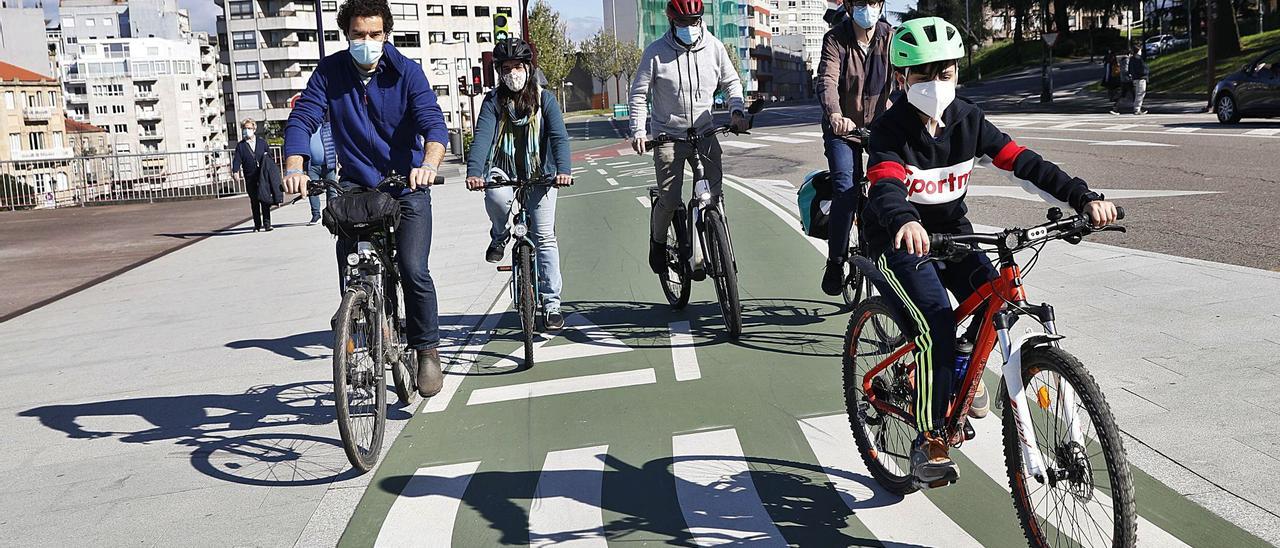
(1020, 92)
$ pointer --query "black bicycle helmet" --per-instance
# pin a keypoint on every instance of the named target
(512, 49)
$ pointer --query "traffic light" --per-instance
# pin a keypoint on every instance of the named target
(475, 81)
(462, 85)
(501, 27)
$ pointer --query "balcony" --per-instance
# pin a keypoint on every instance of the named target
(150, 135)
(42, 154)
(144, 77)
(146, 96)
(76, 97)
(306, 50)
(288, 20)
(208, 95)
(147, 115)
(37, 114)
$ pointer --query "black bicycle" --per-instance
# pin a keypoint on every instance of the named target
(698, 241)
(369, 337)
(524, 256)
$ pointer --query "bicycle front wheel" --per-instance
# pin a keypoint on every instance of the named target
(1086, 498)
(359, 387)
(723, 271)
(526, 299)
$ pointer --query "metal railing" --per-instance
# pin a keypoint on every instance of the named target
(94, 180)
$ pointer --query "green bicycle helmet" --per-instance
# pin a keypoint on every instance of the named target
(925, 40)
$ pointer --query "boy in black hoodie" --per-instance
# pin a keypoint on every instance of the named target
(922, 154)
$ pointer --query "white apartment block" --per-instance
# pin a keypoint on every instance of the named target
(804, 18)
(271, 48)
(22, 40)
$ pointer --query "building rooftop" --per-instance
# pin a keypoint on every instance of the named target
(81, 127)
(9, 73)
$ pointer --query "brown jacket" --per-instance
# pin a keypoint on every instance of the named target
(843, 75)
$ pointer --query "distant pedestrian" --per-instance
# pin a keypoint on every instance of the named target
(322, 166)
(1111, 80)
(252, 163)
(1138, 72)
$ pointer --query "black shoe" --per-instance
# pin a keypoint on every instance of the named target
(430, 377)
(314, 219)
(495, 252)
(555, 320)
(269, 229)
(833, 277)
(657, 256)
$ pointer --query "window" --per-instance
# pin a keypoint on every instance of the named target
(68, 22)
(106, 22)
(246, 71)
(186, 86)
(331, 36)
(242, 40)
(441, 91)
(482, 11)
(109, 90)
(57, 139)
(406, 39)
(435, 37)
(120, 128)
(36, 140)
(328, 6)
(462, 36)
(505, 11)
(435, 10)
(407, 12)
(15, 141)
(53, 99)
(241, 10)
(458, 11)
(250, 100)
(100, 109)
(484, 37)
(8, 100)
(124, 148)
(306, 36)
(117, 109)
(305, 6)
(90, 22)
(145, 88)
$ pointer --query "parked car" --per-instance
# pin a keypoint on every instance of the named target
(1180, 42)
(1156, 45)
(1252, 91)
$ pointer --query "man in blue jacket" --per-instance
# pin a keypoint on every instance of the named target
(381, 108)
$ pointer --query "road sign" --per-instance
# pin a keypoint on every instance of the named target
(1050, 37)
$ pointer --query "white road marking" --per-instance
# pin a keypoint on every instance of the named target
(1183, 130)
(601, 171)
(465, 358)
(565, 510)
(741, 144)
(616, 164)
(1153, 132)
(1019, 193)
(1066, 125)
(625, 151)
(424, 512)
(1096, 142)
(683, 354)
(781, 139)
(911, 520)
(1263, 131)
(1119, 127)
(817, 134)
(600, 343)
(570, 385)
(789, 219)
(611, 181)
(644, 201)
(717, 497)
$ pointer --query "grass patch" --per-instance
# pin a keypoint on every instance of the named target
(592, 112)
(1184, 71)
(1002, 57)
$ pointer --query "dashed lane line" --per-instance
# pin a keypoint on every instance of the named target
(424, 512)
(555, 387)
(717, 496)
(601, 171)
(741, 144)
(683, 354)
(565, 510)
(465, 358)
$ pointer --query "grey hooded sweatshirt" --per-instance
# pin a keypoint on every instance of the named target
(681, 83)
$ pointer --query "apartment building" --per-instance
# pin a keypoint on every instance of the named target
(801, 18)
(22, 40)
(271, 47)
(36, 153)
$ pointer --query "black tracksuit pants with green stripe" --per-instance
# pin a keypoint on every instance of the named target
(922, 289)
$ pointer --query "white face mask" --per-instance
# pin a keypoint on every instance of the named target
(515, 80)
(932, 97)
(247, 133)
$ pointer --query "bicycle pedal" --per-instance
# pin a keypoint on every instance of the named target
(933, 484)
(969, 432)
(504, 268)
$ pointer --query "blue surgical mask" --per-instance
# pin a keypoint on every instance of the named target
(866, 16)
(247, 133)
(689, 35)
(366, 52)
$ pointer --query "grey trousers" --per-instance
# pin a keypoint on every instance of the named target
(669, 160)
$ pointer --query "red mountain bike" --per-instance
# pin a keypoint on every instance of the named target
(1067, 469)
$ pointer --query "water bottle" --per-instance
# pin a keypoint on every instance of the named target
(964, 349)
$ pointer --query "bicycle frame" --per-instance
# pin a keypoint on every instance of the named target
(520, 232)
(992, 302)
(698, 204)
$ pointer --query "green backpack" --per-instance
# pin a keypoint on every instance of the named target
(814, 198)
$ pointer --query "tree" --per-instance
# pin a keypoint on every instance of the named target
(600, 56)
(733, 58)
(628, 58)
(548, 36)
(1226, 32)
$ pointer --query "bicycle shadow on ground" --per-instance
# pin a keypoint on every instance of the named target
(797, 498)
(206, 234)
(223, 431)
(291, 346)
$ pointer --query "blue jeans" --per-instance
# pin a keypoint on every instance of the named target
(542, 230)
(413, 249)
(317, 173)
(844, 162)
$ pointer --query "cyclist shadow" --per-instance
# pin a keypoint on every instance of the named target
(215, 426)
(798, 499)
(292, 345)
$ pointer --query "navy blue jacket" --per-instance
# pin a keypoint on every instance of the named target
(377, 130)
(554, 141)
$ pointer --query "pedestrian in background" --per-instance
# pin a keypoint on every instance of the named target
(1111, 76)
(252, 164)
(322, 166)
(1138, 73)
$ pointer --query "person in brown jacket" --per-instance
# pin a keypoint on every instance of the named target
(854, 83)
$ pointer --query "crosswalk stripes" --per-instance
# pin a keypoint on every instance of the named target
(716, 494)
(1183, 130)
(566, 505)
(424, 512)
(1263, 131)
(781, 139)
(833, 444)
(740, 144)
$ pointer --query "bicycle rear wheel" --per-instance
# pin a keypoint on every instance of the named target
(359, 387)
(675, 280)
(526, 297)
(723, 271)
(1087, 496)
(884, 439)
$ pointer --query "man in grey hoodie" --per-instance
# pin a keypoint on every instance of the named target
(678, 77)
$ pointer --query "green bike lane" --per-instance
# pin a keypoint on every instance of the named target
(664, 431)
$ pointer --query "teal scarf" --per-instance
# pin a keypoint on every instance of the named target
(511, 128)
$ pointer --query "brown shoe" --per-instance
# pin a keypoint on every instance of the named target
(930, 462)
(430, 377)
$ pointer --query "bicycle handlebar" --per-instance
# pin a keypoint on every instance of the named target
(316, 188)
(945, 245)
(668, 138)
(546, 181)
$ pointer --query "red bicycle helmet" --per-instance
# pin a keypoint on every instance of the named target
(684, 8)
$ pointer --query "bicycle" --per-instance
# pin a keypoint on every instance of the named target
(369, 338)
(698, 240)
(524, 256)
(1057, 428)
